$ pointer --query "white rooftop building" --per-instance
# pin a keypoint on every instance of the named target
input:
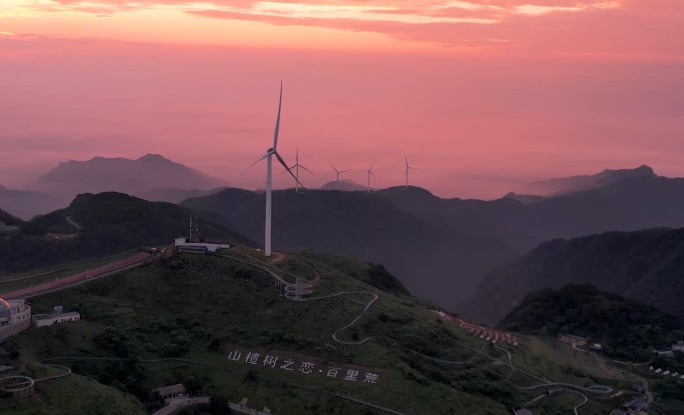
(15, 316)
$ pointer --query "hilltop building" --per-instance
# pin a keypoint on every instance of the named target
(196, 244)
(199, 246)
(58, 316)
(15, 317)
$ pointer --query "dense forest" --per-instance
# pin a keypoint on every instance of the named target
(624, 327)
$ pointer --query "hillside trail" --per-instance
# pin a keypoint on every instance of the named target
(74, 223)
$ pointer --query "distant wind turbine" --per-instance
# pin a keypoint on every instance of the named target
(296, 167)
(370, 173)
(407, 170)
(272, 152)
(337, 180)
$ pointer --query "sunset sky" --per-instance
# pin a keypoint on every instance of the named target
(480, 95)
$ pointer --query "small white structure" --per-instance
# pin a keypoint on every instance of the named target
(171, 391)
(664, 353)
(679, 347)
(58, 316)
(15, 316)
(199, 247)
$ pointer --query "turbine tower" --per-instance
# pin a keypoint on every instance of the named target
(407, 170)
(296, 167)
(269, 153)
(337, 180)
(370, 173)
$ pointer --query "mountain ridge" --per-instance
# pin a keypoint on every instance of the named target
(563, 185)
(146, 173)
(641, 265)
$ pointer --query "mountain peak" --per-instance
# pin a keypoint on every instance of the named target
(101, 174)
(153, 157)
(565, 185)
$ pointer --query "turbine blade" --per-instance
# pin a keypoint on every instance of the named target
(333, 166)
(406, 160)
(277, 127)
(291, 167)
(253, 164)
(344, 171)
(304, 168)
(280, 159)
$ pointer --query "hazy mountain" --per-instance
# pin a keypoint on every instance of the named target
(626, 328)
(643, 265)
(558, 186)
(431, 261)
(123, 175)
(175, 195)
(525, 198)
(346, 185)
(631, 204)
(25, 204)
(108, 222)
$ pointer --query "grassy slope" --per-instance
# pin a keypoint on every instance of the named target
(73, 395)
(180, 307)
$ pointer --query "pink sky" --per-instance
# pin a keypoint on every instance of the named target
(480, 95)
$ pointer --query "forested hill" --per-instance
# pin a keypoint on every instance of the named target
(644, 265)
(624, 327)
(101, 224)
(8, 219)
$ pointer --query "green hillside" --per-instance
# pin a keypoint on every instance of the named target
(626, 328)
(98, 225)
(180, 320)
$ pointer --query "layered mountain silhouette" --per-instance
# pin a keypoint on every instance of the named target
(644, 265)
(123, 175)
(563, 185)
(25, 204)
(175, 195)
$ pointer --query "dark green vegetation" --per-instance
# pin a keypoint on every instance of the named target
(187, 307)
(109, 222)
(8, 219)
(373, 274)
(626, 329)
(668, 387)
(644, 266)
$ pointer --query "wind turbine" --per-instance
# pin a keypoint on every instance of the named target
(407, 170)
(269, 153)
(337, 181)
(296, 167)
(370, 173)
